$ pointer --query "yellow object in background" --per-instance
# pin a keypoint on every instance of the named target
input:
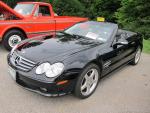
(100, 19)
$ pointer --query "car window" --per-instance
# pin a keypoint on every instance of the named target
(44, 11)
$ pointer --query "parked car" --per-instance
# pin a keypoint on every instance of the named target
(75, 60)
(29, 19)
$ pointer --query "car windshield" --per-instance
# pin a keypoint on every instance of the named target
(93, 30)
(24, 9)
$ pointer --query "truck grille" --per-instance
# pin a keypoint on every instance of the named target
(21, 63)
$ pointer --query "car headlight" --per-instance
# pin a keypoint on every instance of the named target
(50, 70)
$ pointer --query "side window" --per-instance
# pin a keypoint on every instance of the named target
(44, 11)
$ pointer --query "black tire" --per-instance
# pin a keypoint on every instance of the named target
(77, 91)
(7, 36)
(134, 61)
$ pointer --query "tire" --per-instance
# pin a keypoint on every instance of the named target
(11, 38)
(137, 56)
(83, 79)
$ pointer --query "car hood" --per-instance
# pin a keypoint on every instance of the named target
(5, 9)
(55, 49)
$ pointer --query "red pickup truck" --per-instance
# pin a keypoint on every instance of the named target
(29, 19)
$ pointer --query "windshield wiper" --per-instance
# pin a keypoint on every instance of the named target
(74, 35)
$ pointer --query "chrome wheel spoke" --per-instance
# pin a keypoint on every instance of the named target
(89, 82)
(84, 86)
(94, 81)
(13, 40)
(137, 56)
(88, 89)
(86, 77)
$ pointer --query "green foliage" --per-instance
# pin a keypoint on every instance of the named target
(88, 8)
(11, 3)
(146, 47)
(68, 7)
(135, 15)
(107, 8)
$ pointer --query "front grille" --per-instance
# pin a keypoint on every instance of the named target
(21, 63)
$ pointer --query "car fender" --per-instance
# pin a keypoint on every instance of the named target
(8, 28)
(73, 66)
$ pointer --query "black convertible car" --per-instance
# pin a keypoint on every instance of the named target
(75, 60)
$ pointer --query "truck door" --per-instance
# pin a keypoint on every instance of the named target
(44, 22)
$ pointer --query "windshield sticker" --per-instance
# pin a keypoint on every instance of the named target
(92, 35)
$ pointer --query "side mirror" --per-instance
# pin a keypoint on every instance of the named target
(120, 42)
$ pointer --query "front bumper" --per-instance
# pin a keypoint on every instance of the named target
(42, 85)
(43, 88)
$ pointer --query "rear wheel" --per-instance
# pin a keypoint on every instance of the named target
(11, 38)
(87, 81)
(137, 56)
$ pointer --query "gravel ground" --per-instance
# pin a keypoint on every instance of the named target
(124, 91)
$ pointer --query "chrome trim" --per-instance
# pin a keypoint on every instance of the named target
(44, 32)
(26, 63)
(50, 22)
(5, 23)
(23, 64)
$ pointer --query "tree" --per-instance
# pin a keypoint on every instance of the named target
(68, 7)
(107, 8)
(88, 8)
(135, 15)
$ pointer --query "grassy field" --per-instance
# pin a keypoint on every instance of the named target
(146, 46)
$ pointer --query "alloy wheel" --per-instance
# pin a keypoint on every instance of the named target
(89, 82)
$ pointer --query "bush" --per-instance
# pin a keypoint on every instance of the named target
(134, 15)
(107, 9)
(68, 7)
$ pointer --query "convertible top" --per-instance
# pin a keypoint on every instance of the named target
(130, 33)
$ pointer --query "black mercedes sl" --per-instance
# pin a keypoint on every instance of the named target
(75, 59)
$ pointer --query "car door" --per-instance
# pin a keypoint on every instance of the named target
(122, 51)
(115, 55)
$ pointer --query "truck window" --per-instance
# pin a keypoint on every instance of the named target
(44, 10)
(24, 9)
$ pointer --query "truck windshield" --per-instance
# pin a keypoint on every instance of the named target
(24, 9)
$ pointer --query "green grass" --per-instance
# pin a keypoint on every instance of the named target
(146, 48)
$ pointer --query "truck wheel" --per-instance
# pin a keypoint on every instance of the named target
(87, 81)
(11, 38)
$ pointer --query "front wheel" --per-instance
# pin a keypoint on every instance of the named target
(11, 38)
(87, 81)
